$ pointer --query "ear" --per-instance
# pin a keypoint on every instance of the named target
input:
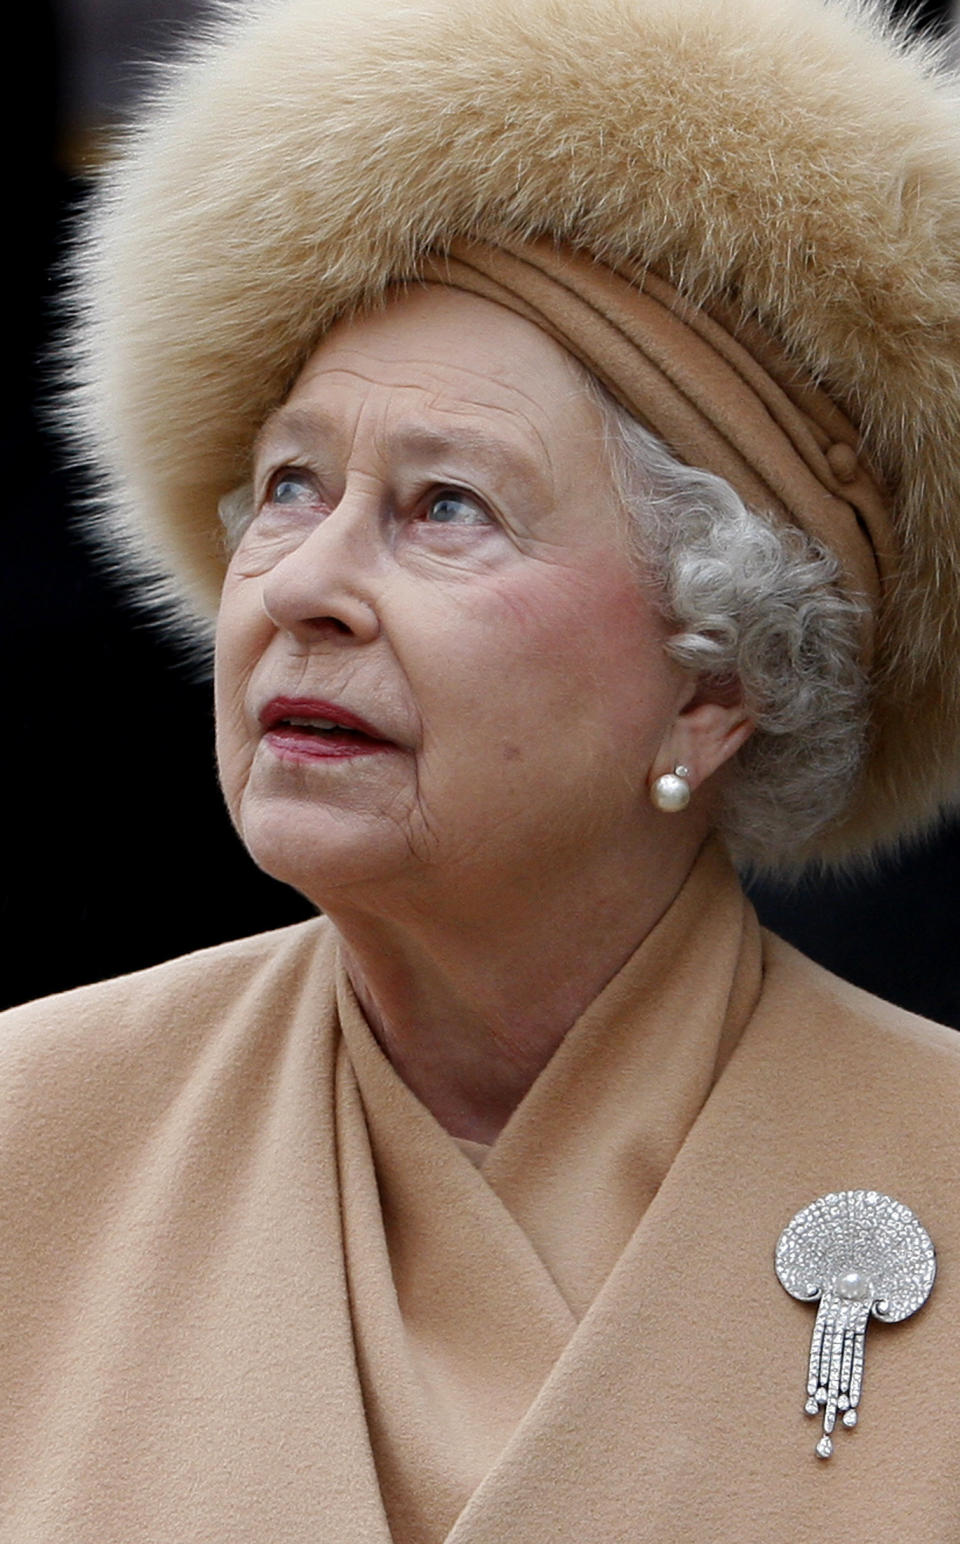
(707, 731)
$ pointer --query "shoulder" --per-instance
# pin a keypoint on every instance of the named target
(203, 971)
(154, 1016)
(153, 1073)
(795, 974)
(837, 1022)
(839, 1090)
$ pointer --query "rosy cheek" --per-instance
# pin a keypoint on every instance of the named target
(574, 610)
(579, 646)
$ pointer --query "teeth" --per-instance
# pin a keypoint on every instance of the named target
(312, 723)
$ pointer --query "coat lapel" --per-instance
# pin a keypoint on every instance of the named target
(676, 1412)
(467, 1289)
(457, 1321)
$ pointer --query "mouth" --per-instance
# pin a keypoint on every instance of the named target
(305, 728)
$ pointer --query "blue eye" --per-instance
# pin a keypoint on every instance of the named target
(291, 487)
(451, 506)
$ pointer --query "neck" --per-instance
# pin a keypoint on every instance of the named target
(470, 1002)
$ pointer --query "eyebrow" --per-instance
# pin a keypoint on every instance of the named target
(496, 454)
(294, 424)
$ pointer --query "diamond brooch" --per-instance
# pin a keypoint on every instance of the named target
(859, 1253)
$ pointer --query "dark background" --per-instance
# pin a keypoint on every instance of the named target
(119, 851)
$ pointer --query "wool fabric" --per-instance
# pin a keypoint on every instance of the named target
(251, 1289)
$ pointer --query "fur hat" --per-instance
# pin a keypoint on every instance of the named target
(797, 157)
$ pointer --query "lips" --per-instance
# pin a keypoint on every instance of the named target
(307, 728)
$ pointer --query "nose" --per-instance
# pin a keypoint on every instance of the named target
(323, 588)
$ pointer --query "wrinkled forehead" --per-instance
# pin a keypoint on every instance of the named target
(443, 324)
(433, 364)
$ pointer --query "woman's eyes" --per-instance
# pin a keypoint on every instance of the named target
(453, 506)
(441, 506)
(291, 487)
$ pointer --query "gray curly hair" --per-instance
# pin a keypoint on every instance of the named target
(757, 604)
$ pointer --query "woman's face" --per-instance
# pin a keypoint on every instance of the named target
(435, 660)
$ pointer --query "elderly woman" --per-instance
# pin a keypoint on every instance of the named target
(578, 385)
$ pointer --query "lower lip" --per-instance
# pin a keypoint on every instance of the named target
(301, 745)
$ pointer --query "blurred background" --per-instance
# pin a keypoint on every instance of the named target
(119, 850)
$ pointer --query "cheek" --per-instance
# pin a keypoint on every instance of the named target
(573, 631)
(578, 654)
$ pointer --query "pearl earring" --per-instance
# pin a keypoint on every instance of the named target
(671, 792)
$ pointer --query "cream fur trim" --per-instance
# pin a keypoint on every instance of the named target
(787, 152)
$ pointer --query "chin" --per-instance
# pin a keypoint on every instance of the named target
(320, 852)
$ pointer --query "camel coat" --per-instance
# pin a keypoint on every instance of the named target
(252, 1293)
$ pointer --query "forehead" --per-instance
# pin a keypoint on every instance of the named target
(455, 355)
